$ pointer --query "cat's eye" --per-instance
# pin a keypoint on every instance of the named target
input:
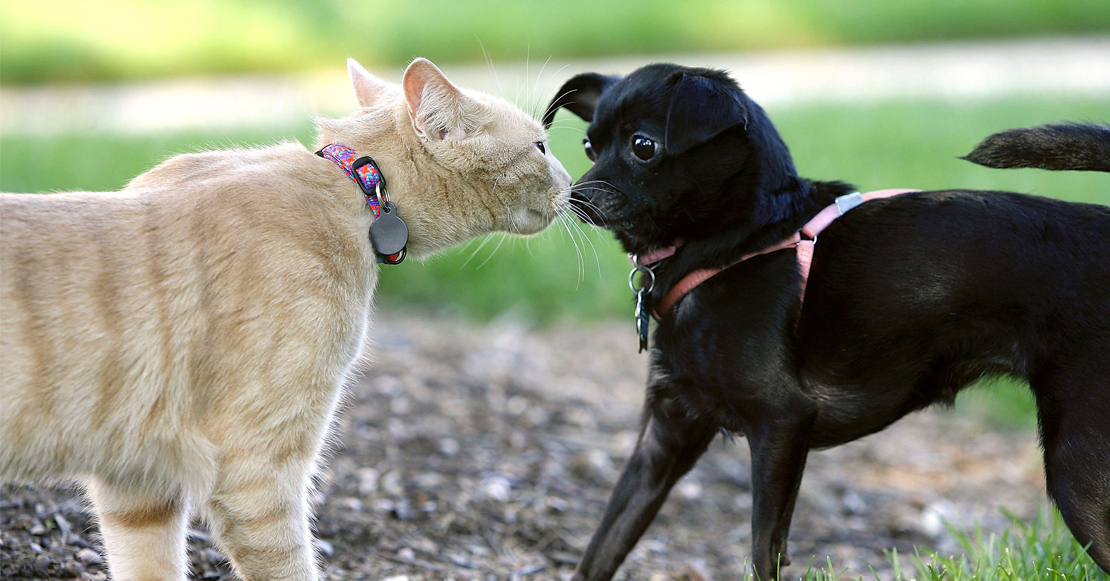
(589, 149)
(643, 147)
(541, 147)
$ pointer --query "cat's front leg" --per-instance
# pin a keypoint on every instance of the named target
(143, 530)
(259, 515)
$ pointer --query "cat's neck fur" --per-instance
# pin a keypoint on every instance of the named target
(418, 185)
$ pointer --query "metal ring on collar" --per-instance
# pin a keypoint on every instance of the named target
(632, 279)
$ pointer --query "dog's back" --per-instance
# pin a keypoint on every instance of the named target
(967, 283)
(913, 298)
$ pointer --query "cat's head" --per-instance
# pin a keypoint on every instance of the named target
(458, 163)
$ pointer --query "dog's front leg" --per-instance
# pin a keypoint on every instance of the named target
(668, 447)
(779, 448)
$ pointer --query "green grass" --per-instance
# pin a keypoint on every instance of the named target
(1041, 550)
(1035, 551)
(71, 40)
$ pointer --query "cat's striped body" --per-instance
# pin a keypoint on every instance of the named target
(182, 344)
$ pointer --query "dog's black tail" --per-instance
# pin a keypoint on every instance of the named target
(1064, 146)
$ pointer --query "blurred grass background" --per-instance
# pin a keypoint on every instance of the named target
(555, 275)
(73, 40)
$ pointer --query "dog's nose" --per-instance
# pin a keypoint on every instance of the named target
(583, 200)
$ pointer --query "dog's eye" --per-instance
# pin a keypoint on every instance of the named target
(643, 147)
(540, 146)
(589, 149)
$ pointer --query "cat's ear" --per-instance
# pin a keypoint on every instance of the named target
(369, 90)
(437, 108)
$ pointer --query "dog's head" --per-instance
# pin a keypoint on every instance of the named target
(678, 152)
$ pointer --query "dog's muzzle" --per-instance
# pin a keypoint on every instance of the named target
(590, 212)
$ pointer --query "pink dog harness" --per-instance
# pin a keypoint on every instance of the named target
(803, 240)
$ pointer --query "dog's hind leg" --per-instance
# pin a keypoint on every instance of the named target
(1073, 401)
(779, 448)
(668, 447)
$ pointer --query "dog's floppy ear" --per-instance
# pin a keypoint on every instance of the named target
(580, 94)
(701, 108)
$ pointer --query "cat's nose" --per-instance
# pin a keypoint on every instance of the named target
(562, 176)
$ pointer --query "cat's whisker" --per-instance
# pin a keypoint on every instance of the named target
(565, 231)
(485, 239)
(536, 103)
(587, 203)
(577, 250)
(569, 126)
(597, 257)
(572, 205)
(495, 249)
(586, 236)
(573, 124)
(583, 216)
(595, 183)
(561, 95)
(527, 74)
(581, 211)
(492, 70)
(513, 226)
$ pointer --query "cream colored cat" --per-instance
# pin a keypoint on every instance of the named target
(181, 345)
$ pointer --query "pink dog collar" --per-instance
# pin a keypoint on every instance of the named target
(804, 240)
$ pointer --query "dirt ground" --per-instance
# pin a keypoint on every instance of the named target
(475, 452)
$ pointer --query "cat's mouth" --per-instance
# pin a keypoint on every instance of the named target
(530, 221)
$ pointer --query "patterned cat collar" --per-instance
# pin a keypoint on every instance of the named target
(388, 234)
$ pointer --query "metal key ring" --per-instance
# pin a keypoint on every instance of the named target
(380, 195)
(632, 279)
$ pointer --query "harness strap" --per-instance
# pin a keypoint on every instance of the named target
(804, 241)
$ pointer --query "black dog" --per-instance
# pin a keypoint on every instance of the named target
(909, 300)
